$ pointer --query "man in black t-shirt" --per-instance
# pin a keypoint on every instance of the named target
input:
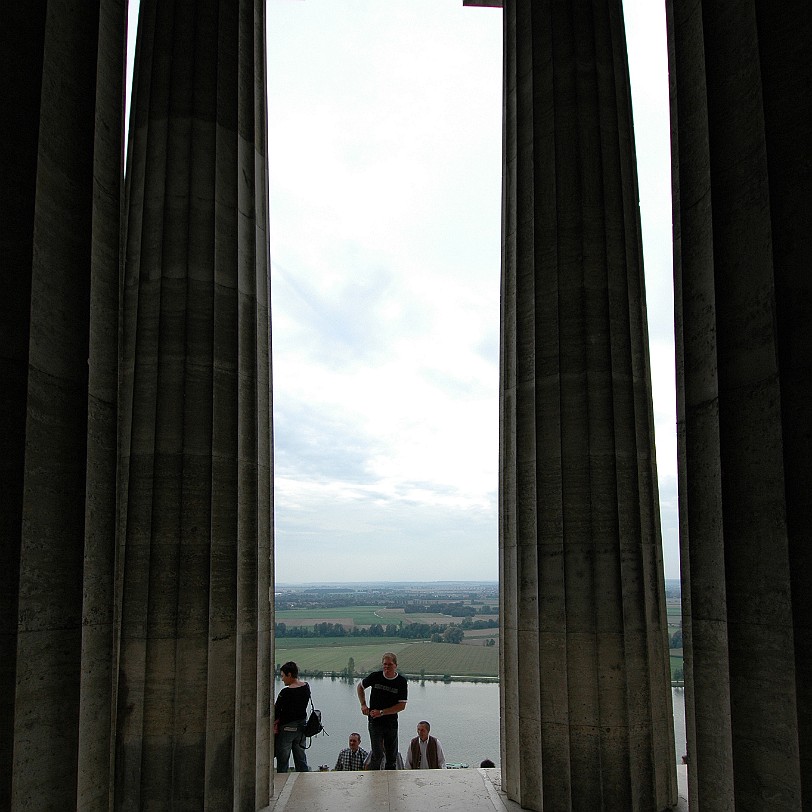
(387, 698)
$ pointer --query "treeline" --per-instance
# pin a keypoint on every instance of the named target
(452, 609)
(410, 631)
(437, 632)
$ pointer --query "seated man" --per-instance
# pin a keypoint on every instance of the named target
(352, 757)
(425, 752)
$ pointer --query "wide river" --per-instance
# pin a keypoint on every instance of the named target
(463, 715)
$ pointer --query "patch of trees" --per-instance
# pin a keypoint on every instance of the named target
(467, 623)
(452, 609)
(409, 631)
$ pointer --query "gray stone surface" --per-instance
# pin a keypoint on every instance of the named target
(196, 454)
(585, 675)
(742, 298)
(140, 643)
(61, 148)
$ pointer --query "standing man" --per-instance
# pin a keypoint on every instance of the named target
(386, 700)
(425, 752)
(352, 757)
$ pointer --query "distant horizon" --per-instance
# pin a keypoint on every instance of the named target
(411, 582)
(367, 583)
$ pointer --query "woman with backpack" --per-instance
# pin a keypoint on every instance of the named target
(290, 716)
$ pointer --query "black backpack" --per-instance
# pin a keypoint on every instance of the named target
(313, 726)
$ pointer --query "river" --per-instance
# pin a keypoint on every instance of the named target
(463, 715)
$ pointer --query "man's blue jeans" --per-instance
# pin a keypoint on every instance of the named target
(383, 738)
(290, 737)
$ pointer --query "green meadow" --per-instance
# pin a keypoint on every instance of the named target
(361, 615)
(332, 654)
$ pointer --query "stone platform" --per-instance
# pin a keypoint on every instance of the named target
(472, 790)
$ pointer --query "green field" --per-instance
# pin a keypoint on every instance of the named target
(419, 617)
(478, 637)
(317, 657)
(446, 658)
(677, 661)
(383, 643)
(434, 658)
(332, 654)
(361, 615)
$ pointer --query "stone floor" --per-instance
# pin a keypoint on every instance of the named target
(473, 790)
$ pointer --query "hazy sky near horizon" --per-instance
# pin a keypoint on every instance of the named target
(385, 215)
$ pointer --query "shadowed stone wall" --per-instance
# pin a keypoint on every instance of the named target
(741, 89)
(195, 671)
(135, 653)
(61, 140)
(586, 704)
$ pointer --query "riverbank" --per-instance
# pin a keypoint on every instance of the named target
(415, 657)
(342, 675)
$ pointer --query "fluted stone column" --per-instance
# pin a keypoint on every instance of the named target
(585, 683)
(61, 97)
(195, 673)
(740, 97)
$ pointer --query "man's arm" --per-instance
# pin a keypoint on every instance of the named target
(408, 760)
(362, 697)
(338, 763)
(375, 714)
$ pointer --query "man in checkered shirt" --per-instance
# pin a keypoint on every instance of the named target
(352, 757)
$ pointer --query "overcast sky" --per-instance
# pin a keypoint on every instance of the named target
(385, 192)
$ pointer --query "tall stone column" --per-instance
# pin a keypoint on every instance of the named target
(740, 98)
(195, 673)
(585, 688)
(61, 137)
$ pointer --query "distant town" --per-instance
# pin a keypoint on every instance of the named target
(444, 630)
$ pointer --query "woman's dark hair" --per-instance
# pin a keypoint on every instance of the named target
(290, 668)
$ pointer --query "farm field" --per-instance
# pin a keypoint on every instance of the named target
(478, 637)
(482, 632)
(677, 660)
(420, 617)
(383, 643)
(315, 657)
(399, 615)
(434, 658)
(357, 615)
(448, 658)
